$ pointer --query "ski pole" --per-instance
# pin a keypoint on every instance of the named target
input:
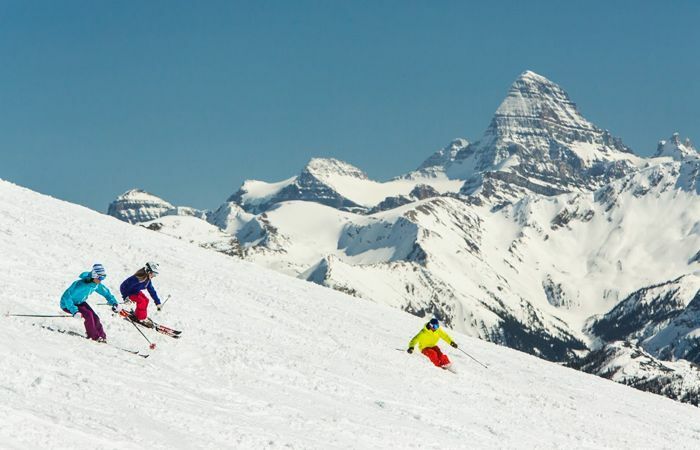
(166, 301)
(482, 364)
(36, 315)
(151, 345)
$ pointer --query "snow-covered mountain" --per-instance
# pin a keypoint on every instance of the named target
(493, 274)
(539, 142)
(676, 149)
(663, 319)
(136, 205)
(444, 156)
(529, 275)
(523, 238)
(267, 361)
(627, 363)
(336, 184)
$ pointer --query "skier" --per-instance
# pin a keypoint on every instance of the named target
(131, 289)
(74, 301)
(427, 340)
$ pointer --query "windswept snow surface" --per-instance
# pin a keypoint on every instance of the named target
(258, 191)
(369, 193)
(267, 361)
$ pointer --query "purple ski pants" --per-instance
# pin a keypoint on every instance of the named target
(93, 326)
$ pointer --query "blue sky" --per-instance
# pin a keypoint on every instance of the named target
(188, 99)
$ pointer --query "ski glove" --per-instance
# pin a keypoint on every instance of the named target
(116, 308)
(454, 344)
(78, 316)
(158, 307)
(410, 350)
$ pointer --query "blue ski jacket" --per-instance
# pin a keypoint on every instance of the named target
(80, 290)
(132, 286)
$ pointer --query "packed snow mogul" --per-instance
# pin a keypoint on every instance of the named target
(132, 288)
(427, 340)
(74, 301)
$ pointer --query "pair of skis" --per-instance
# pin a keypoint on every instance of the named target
(149, 323)
(73, 333)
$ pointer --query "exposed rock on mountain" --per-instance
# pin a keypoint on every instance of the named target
(339, 185)
(676, 149)
(539, 142)
(420, 192)
(662, 319)
(627, 363)
(311, 185)
(137, 206)
(445, 155)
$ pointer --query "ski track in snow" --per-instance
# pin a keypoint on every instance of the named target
(267, 361)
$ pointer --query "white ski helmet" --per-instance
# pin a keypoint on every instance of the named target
(151, 267)
(98, 271)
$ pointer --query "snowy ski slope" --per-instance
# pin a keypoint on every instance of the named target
(268, 361)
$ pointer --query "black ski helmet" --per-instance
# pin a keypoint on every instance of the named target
(434, 324)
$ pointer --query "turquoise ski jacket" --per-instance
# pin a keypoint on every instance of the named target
(80, 290)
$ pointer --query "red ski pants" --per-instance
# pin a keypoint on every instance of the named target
(436, 356)
(141, 311)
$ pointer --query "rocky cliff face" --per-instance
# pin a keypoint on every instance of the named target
(312, 184)
(661, 319)
(446, 155)
(629, 364)
(539, 142)
(136, 206)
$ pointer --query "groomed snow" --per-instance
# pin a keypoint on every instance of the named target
(268, 361)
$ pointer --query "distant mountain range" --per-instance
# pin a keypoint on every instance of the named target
(548, 235)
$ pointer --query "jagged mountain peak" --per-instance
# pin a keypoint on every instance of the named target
(675, 148)
(534, 100)
(531, 82)
(324, 167)
(538, 141)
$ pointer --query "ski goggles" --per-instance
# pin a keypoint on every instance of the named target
(433, 326)
(101, 277)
